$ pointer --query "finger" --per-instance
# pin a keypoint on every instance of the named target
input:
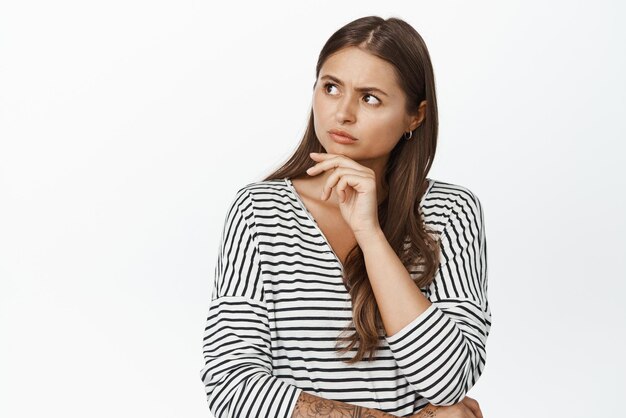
(334, 178)
(323, 155)
(342, 178)
(472, 404)
(334, 161)
(355, 181)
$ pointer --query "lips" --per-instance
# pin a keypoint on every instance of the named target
(342, 133)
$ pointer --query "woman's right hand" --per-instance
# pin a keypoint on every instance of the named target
(467, 408)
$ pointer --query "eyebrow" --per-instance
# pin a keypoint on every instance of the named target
(362, 89)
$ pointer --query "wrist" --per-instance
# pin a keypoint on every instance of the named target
(366, 236)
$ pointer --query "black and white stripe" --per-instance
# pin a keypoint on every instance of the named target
(278, 304)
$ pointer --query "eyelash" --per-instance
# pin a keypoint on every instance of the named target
(367, 94)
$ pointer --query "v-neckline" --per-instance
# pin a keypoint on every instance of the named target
(309, 215)
(312, 219)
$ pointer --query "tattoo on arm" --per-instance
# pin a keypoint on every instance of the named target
(312, 406)
(429, 411)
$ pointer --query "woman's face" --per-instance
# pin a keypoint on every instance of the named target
(376, 117)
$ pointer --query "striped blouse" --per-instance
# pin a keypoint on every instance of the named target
(278, 304)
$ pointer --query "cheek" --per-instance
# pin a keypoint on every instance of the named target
(385, 129)
(320, 104)
(318, 115)
(323, 113)
(317, 108)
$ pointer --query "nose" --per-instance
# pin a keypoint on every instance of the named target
(345, 111)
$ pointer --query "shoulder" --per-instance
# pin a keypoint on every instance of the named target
(260, 196)
(261, 187)
(452, 192)
(446, 201)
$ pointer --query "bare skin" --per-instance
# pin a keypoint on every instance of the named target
(312, 406)
(467, 408)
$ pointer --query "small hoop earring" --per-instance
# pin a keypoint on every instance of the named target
(409, 137)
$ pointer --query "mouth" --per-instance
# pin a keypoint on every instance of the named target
(340, 133)
(340, 139)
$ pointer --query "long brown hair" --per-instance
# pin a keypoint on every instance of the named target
(400, 218)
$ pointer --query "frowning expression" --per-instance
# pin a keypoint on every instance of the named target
(357, 92)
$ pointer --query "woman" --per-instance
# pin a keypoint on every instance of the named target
(347, 282)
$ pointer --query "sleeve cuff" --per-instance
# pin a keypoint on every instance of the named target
(295, 392)
(413, 325)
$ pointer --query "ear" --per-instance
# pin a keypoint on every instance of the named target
(417, 119)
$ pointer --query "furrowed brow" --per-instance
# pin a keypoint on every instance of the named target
(361, 89)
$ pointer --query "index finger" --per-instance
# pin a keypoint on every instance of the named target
(339, 160)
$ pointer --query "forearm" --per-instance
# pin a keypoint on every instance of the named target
(429, 411)
(399, 300)
(309, 405)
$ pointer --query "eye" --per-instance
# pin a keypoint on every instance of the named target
(377, 99)
(326, 86)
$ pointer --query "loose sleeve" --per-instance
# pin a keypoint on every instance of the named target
(442, 352)
(237, 371)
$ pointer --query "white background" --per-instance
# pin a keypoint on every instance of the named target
(127, 126)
